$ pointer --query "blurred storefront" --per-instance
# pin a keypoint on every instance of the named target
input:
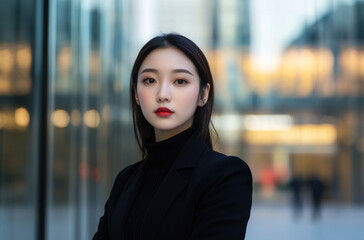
(65, 123)
(304, 116)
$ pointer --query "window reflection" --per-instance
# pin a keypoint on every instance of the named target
(15, 67)
(60, 118)
(18, 127)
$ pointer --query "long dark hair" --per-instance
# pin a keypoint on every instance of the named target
(202, 117)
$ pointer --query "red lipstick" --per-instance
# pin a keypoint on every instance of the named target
(163, 112)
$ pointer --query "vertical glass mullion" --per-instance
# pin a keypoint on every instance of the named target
(41, 78)
(82, 203)
(75, 106)
(52, 36)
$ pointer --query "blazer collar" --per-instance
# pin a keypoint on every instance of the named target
(191, 152)
(171, 186)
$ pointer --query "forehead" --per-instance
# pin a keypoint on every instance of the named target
(167, 59)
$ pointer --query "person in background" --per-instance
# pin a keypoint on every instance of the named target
(182, 189)
(316, 188)
(296, 185)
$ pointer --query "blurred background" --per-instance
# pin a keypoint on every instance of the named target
(289, 81)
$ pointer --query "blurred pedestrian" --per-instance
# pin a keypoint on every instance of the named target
(296, 186)
(316, 187)
(183, 189)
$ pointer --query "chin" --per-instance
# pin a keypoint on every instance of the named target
(165, 127)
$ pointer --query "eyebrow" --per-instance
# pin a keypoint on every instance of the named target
(179, 70)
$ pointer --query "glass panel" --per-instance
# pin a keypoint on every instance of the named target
(19, 118)
(89, 112)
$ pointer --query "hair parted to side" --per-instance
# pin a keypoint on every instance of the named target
(202, 117)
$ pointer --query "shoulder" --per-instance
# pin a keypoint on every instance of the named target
(215, 160)
(217, 166)
(123, 179)
(124, 176)
(128, 171)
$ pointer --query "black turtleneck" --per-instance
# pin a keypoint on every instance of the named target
(160, 157)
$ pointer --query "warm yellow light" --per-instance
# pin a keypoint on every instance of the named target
(24, 57)
(64, 59)
(349, 59)
(361, 64)
(288, 72)
(60, 118)
(307, 134)
(7, 60)
(325, 63)
(75, 118)
(2, 120)
(306, 68)
(22, 117)
(5, 85)
(91, 118)
(327, 133)
(303, 69)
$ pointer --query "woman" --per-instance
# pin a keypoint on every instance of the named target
(182, 189)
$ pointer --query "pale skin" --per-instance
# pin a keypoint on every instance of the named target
(168, 78)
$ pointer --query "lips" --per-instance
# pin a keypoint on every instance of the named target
(163, 112)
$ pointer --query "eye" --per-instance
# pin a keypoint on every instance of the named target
(180, 82)
(149, 81)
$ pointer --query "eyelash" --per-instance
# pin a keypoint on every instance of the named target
(147, 81)
(180, 80)
(177, 81)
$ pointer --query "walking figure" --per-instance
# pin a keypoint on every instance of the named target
(316, 187)
(296, 185)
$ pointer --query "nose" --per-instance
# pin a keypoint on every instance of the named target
(164, 93)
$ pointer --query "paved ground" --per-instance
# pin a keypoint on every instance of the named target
(277, 222)
(274, 221)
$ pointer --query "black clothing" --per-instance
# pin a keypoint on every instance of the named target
(317, 189)
(296, 185)
(204, 195)
(161, 156)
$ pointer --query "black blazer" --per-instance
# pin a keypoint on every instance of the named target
(205, 195)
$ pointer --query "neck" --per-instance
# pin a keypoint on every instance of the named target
(161, 135)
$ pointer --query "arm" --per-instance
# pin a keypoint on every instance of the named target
(223, 211)
(102, 230)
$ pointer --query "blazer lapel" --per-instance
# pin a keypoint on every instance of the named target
(171, 186)
(124, 203)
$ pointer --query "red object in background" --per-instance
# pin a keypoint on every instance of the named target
(84, 169)
(267, 177)
(96, 174)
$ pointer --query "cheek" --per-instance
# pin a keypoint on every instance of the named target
(145, 102)
(144, 96)
(188, 100)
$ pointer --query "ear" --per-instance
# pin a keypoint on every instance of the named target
(136, 96)
(204, 96)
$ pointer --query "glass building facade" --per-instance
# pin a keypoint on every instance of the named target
(289, 79)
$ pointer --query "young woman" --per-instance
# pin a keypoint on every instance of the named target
(182, 189)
